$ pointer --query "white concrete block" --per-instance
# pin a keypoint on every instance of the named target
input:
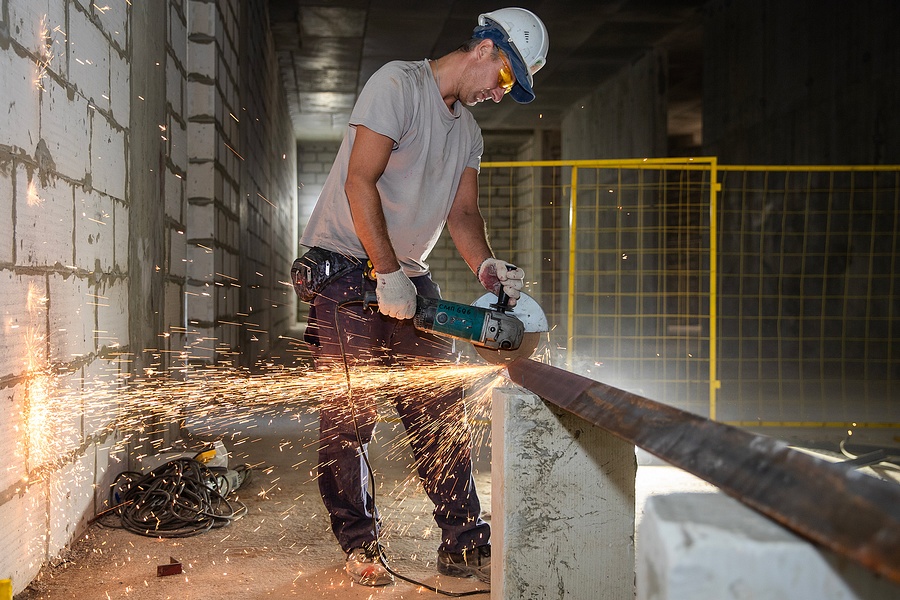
(201, 102)
(88, 59)
(202, 17)
(201, 180)
(121, 212)
(101, 384)
(201, 220)
(22, 536)
(119, 89)
(175, 190)
(175, 84)
(64, 128)
(94, 231)
(113, 17)
(44, 221)
(23, 325)
(11, 438)
(7, 177)
(178, 145)
(202, 59)
(712, 547)
(562, 513)
(112, 314)
(21, 102)
(28, 22)
(71, 497)
(107, 157)
(177, 253)
(71, 308)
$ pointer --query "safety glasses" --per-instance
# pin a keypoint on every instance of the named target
(505, 79)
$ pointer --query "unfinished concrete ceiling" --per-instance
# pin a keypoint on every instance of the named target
(327, 49)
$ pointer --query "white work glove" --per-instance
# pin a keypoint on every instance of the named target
(495, 275)
(396, 295)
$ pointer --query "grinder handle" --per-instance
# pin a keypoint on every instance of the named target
(502, 297)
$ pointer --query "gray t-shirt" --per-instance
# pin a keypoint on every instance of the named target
(432, 148)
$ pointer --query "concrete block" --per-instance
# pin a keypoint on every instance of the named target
(202, 59)
(178, 146)
(65, 131)
(201, 180)
(22, 535)
(24, 329)
(202, 17)
(28, 22)
(88, 59)
(113, 17)
(44, 222)
(71, 311)
(201, 103)
(7, 177)
(201, 220)
(11, 440)
(101, 385)
(112, 314)
(177, 253)
(107, 157)
(71, 495)
(562, 504)
(119, 89)
(175, 187)
(21, 102)
(710, 546)
(177, 31)
(121, 212)
(94, 231)
(175, 83)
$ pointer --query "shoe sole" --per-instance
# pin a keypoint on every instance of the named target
(452, 570)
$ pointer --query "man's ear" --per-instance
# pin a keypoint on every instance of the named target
(485, 48)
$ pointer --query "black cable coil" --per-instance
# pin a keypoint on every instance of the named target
(180, 498)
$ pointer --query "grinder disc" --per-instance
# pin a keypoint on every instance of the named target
(526, 310)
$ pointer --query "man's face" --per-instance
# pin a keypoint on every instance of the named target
(491, 77)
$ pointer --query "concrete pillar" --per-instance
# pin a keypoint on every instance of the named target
(562, 511)
(712, 547)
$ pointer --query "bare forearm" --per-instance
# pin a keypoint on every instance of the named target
(468, 233)
(370, 225)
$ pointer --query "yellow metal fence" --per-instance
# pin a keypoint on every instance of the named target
(755, 295)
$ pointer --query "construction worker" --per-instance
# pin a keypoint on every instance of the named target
(408, 164)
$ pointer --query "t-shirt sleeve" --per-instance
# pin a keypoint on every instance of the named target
(380, 106)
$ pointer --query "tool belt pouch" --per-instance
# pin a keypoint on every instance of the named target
(317, 268)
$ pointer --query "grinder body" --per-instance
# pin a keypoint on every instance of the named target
(484, 327)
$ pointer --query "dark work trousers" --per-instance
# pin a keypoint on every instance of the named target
(440, 445)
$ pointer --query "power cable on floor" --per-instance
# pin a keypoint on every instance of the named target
(180, 498)
(365, 455)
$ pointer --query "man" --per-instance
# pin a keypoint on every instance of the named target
(408, 164)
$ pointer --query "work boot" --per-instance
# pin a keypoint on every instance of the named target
(468, 563)
(364, 566)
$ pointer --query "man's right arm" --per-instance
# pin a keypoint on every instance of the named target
(368, 159)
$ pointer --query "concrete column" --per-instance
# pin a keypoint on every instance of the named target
(711, 547)
(562, 504)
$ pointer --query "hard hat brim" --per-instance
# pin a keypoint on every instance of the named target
(522, 91)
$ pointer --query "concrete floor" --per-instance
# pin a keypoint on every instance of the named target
(283, 546)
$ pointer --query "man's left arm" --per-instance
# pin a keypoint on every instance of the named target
(467, 229)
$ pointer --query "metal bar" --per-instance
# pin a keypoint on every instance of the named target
(857, 516)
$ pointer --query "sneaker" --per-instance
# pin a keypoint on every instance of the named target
(364, 566)
(468, 563)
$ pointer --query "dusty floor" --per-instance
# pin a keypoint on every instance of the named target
(283, 546)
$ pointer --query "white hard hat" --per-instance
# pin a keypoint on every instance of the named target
(522, 35)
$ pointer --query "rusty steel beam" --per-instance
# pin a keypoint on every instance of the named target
(855, 515)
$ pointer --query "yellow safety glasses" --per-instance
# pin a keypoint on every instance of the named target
(505, 79)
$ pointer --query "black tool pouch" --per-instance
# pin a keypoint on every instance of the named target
(317, 268)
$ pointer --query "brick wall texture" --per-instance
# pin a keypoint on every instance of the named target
(71, 91)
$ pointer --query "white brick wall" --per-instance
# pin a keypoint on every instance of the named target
(68, 210)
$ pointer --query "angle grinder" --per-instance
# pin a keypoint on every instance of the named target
(498, 332)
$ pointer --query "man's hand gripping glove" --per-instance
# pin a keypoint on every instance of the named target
(495, 275)
(396, 295)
